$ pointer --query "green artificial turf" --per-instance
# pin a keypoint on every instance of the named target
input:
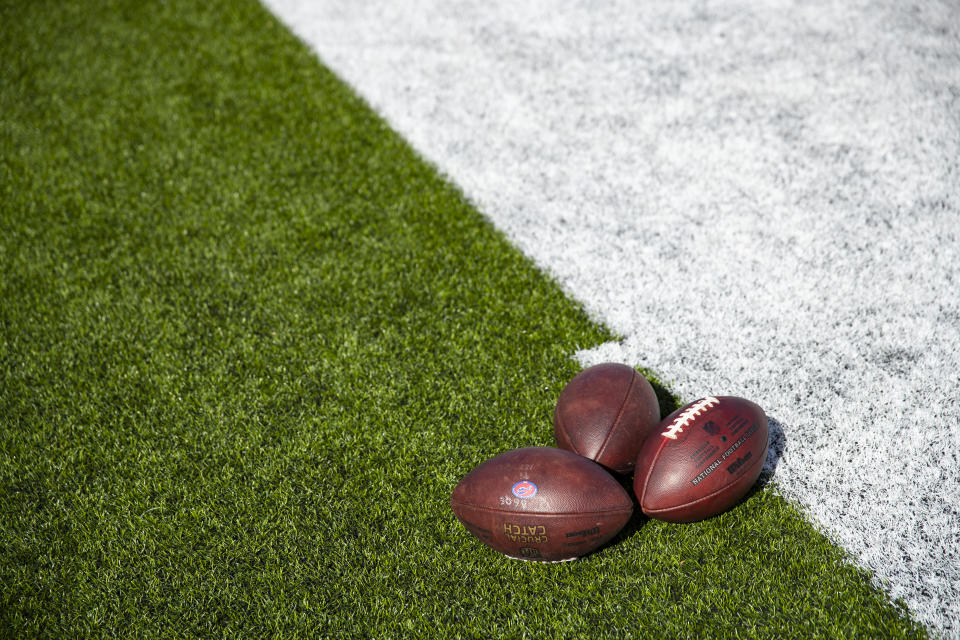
(249, 342)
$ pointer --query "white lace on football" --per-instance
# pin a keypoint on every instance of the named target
(687, 415)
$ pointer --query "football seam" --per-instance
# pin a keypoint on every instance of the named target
(540, 513)
(653, 464)
(563, 427)
(616, 422)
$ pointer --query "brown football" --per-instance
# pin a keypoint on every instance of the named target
(701, 459)
(605, 413)
(541, 503)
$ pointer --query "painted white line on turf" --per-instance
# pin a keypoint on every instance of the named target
(762, 197)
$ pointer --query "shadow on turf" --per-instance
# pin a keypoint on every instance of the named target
(667, 401)
(778, 444)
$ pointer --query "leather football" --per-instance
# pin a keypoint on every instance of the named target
(541, 503)
(605, 413)
(702, 459)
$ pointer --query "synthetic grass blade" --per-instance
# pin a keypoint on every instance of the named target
(249, 342)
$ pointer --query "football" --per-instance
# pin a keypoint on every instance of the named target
(701, 459)
(541, 503)
(605, 413)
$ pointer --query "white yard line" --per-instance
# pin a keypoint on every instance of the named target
(763, 198)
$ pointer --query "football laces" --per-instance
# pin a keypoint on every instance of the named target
(688, 415)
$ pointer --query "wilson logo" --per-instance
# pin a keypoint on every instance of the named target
(739, 462)
(688, 415)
